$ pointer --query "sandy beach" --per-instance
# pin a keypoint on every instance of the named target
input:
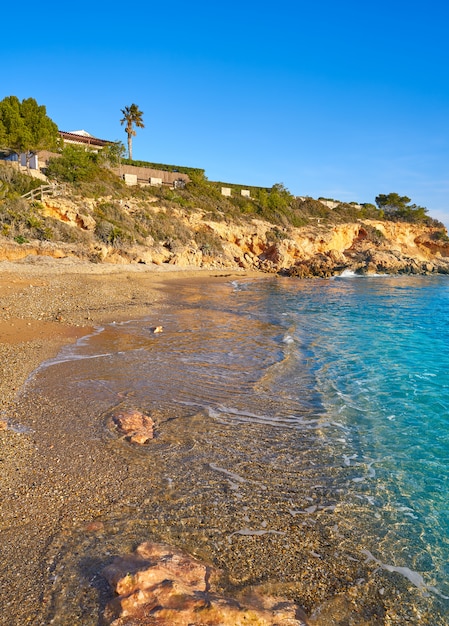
(45, 304)
(72, 497)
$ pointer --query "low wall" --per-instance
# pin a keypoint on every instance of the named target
(144, 174)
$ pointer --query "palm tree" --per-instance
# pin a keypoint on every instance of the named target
(131, 116)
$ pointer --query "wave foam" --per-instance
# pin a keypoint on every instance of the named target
(414, 577)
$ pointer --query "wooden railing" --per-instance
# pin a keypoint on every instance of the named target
(45, 190)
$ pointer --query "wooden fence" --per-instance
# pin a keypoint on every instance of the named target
(45, 190)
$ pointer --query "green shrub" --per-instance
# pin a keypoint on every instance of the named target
(276, 235)
(440, 235)
(165, 228)
(75, 164)
(14, 183)
(114, 225)
(20, 220)
(208, 242)
(192, 172)
(374, 235)
(20, 239)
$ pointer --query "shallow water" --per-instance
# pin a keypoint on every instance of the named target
(302, 443)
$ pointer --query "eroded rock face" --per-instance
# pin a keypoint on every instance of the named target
(317, 249)
(321, 265)
(160, 585)
(134, 426)
(68, 211)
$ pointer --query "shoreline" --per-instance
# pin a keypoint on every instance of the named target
(44, 306)
(64, 494)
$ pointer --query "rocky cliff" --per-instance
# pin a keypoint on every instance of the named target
(363, 246)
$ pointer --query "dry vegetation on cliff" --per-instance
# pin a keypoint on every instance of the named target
(98, 218)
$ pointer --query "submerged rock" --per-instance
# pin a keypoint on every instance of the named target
(134, 426)
(158, 584)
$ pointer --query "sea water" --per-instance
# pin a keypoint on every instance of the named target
(304, 422)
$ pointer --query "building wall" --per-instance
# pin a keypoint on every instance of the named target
(34, 161)
(144, 174)
(44, 156)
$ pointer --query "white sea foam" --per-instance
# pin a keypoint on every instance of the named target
(68, 353)
(224, 414)
(414, 577)
(347, 459)
(247, 532)
(407, 511)
(371, 470)
(238, 286)
(232, 475)
(308, 511)
(76, 357)
(352, 274)
(235, 477)
(20, 429)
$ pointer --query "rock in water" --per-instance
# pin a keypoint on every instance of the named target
(158, 584)
(135, 426)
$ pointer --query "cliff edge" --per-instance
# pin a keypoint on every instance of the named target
(192, 237)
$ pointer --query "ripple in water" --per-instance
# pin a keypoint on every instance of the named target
(302, 441)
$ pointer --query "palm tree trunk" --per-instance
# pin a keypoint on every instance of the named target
(130, 147)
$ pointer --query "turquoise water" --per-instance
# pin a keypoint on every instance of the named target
(311, 416)
(378, 348)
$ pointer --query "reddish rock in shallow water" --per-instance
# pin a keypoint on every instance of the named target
(160, 585)
(93, 527)
(135, 426)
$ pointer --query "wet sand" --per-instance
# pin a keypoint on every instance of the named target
(57, 489)
(45, 304)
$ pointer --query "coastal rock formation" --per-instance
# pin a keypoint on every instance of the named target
(318, 249)
(158, 584)
(368, 247)
(11, 251)
(68, 211)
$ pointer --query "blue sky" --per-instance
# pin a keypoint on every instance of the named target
(336, 99)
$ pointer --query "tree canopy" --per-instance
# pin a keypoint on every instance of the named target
(399, 207)
(75, 164)
(131, 117)
(25, 126)
(391, 201)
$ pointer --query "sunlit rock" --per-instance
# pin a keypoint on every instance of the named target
(160, 585)
(134, 426)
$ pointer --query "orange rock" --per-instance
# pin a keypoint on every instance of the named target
(135, 426)
(160, 585)
(95, 526)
